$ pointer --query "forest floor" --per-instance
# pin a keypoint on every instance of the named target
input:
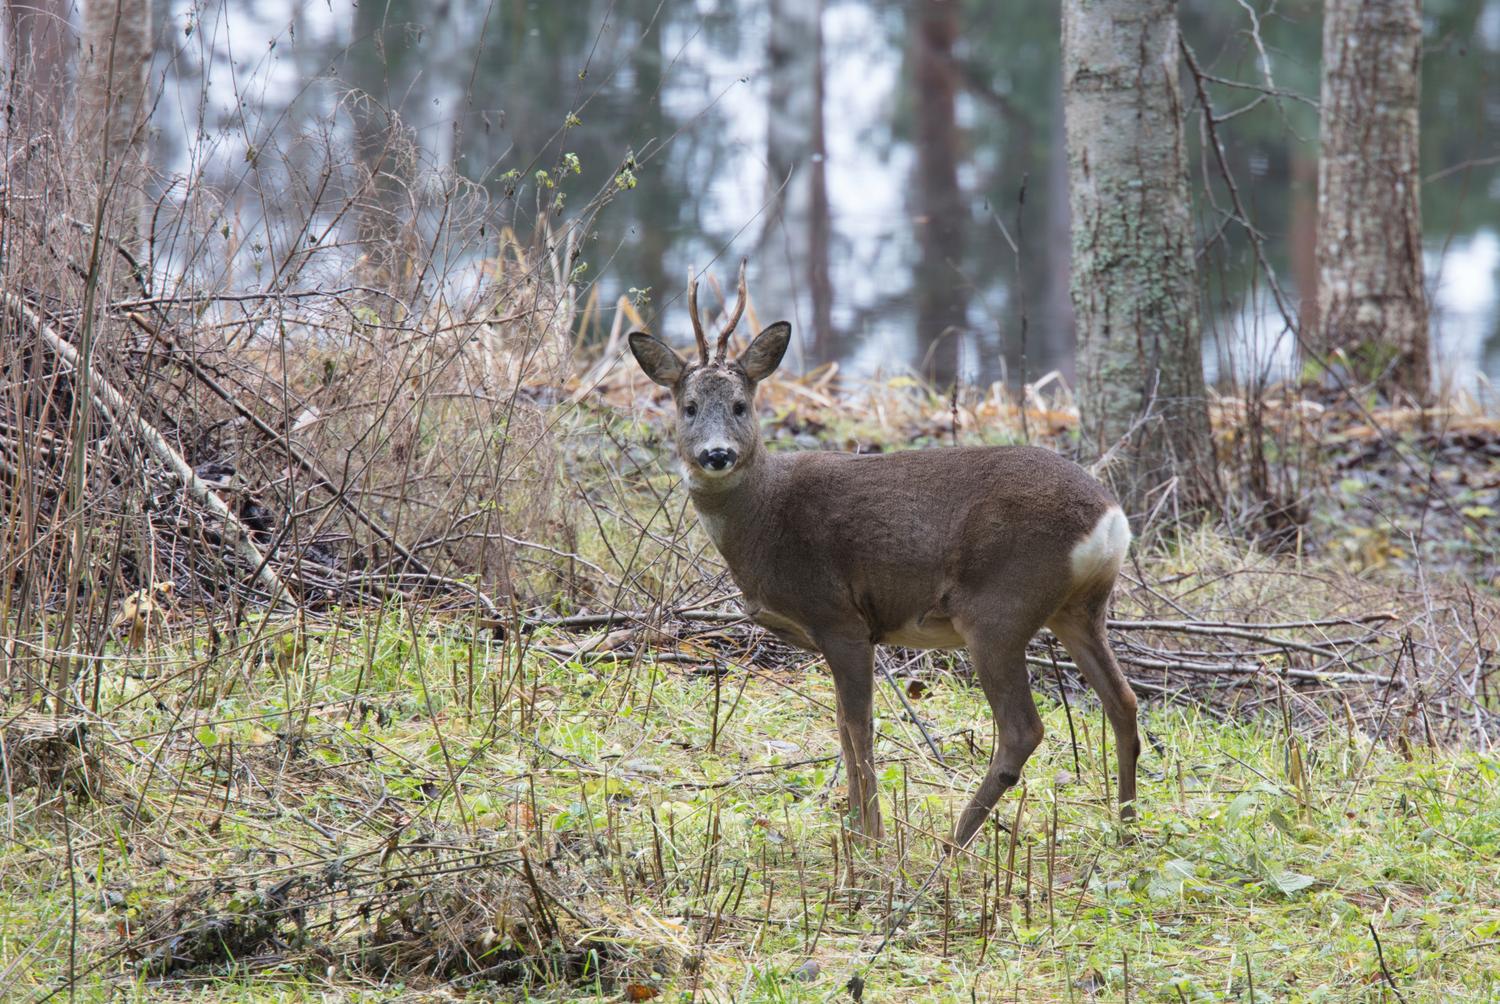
(401, 803)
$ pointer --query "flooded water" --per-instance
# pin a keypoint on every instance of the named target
(894, 171)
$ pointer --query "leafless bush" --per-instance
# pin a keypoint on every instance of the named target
(322, 390)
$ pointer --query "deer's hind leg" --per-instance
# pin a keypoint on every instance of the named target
(1000, 666)
(1080, 627)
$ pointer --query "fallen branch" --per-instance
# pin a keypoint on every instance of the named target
(529, 623)
(1227, 669)
(1193, 626)
(1235, 629)
(297, 457)
(119, 411)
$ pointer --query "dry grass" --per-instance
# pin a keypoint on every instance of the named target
(393, 804)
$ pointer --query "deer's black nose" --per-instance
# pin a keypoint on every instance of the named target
(717, 460)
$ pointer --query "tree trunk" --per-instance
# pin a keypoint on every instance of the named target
(381, 66)
(653, 207)
(942, 300)
(113, 106)
(820, 214)
(36, 33)
(797, 229)
(1135, 296)
(1057, 347)
(1372, 311)
(1302, 236)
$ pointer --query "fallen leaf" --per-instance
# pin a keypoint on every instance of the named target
(520, 816)
(141, 611)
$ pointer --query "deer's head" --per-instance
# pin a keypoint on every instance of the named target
(717, 431)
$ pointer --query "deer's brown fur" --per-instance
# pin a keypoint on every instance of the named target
(977, 547)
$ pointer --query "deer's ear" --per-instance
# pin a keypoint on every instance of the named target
(764, 354)
(657, 359)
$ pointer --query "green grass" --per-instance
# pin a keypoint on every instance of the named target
(692, 825)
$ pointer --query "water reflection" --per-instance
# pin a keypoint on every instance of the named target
(894, 170)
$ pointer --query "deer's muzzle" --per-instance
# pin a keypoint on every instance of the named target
(717, 460)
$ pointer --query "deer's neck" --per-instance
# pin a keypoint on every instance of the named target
(731, 508)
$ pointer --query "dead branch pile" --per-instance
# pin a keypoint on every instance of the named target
(429, 906)
(47, 753)
(348, 430)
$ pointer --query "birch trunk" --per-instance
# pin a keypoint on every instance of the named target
(113, 107)
(1135, 297)
(1371, 308)
(36, 42)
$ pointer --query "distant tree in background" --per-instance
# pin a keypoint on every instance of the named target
(381, 52)
(1371, 308)
(114, 105)
(798, 229)
(942, 300)
(1135, 293)
(36, 37)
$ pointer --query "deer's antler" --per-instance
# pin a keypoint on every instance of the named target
(734, 318)
(692, 305)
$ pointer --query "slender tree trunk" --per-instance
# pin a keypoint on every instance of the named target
(381, 61)
(942, 301)
(652, 205)
(1372, 311)
(1135, 296)
(820, 215)
(114, 105)
(797, 229)
(36, 34)
(1302, 236)
(1057, 347)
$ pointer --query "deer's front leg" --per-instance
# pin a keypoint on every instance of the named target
(852, 663)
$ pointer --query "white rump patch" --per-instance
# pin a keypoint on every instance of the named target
(1100, 554)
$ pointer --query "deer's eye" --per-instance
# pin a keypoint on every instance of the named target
(690, 410)
(739, 408)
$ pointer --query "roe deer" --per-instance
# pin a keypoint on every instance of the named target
(976, 547)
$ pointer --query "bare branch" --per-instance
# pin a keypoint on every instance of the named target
(120, 410)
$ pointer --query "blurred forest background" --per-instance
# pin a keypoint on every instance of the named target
(870, 157)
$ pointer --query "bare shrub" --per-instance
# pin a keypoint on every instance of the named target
(314, 385)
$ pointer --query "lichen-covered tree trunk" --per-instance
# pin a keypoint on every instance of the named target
(114, 106)
(1140, 365)
(1056, 348)
(1371, 309)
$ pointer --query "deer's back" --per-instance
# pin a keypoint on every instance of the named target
(901, 542)
(989, 496)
